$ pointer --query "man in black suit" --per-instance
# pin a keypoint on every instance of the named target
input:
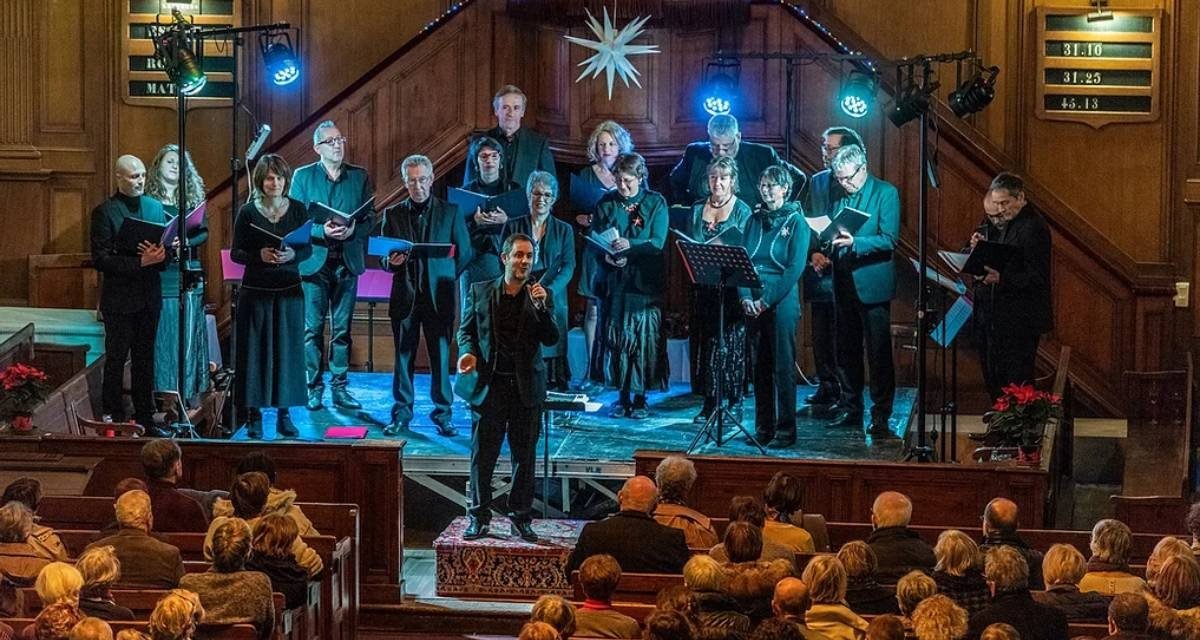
(423, 292)
(689, 178)
(1012, 308)
(632, 536)
(130, 293)
(502, 376)
(525, 150)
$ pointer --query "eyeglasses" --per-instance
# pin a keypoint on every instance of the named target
(544, 195)
(766, 186)
(334, 142)
(849, 178)
(423, 180)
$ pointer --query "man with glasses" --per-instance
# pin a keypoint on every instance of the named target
(864, 282)
(689, 178)
(329, 276)
(423, 292)
(819, 197)
(525, 150)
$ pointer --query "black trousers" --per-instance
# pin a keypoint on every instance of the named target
(869, 324)
(824, 341)
(406, 336)
(774, 333)
(503, 414)
(332, 292)
(1006, 359)
(130, 336)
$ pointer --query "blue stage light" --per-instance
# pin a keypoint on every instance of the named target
(719, 94)
(280, 58)
(857, 92)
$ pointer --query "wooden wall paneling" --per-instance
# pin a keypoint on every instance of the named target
(553, 90)
(23, 200)
(62, 97)
(68, 218)
(18, 31)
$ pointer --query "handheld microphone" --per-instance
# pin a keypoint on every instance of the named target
(540, 305)
(264, 132)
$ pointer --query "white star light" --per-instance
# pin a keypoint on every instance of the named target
(612, 50)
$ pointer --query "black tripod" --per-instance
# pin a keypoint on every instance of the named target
(721, 266)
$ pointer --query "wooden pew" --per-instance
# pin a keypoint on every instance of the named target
(204, 632)
(634, 587)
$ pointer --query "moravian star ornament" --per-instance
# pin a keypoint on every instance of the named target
(612, 50)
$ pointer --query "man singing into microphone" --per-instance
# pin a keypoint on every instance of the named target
(502, 376)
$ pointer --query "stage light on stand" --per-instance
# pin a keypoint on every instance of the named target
(180, 63)
(856, 94)
(279, 56)
(719, 91)
(976, 93)
(913, 96)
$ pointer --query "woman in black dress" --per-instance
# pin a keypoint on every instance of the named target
(719, 218)
(776, 238)
(270, 310)
(608, 141)
(634, 275)
(162, 184)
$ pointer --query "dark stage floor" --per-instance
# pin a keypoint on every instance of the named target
(595, 436)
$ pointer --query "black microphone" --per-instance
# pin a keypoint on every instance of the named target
(264, 132)
(539, 304)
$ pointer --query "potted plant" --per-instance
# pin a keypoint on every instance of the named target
(22, 388)
(1018, 420)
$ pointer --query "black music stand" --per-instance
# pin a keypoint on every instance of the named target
(721, 266)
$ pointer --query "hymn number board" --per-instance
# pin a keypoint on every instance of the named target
(1098, 72)
(145, 81)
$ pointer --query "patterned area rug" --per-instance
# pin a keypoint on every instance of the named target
(503, 565)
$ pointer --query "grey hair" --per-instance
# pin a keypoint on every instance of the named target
(850, 155)
(722, 125)
(674, 477)
(544, 178)
(325, 124)
(415, 160)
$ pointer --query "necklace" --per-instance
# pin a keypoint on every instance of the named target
(723, 204)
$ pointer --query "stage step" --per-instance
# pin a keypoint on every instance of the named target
(504, 566)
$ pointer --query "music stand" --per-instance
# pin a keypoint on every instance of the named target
(232, 273)
(721, 266)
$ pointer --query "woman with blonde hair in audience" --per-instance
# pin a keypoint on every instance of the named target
(249, 495)
(939, 618)
(863, 592)
(28, 491)
(176, 616)
(271, 555)
(91, 629)
(1108, 568)
(959, 570)
(1178, 586)
(556, 612)
(54, 622)
(19, 559)
(706, 579)
(1062, 568)
(1167, 547)
(58, 582)
(131, 634)
(828, 614)
(912, 588)
(100, 569)
(1000, 631)
(229, 593)
(538, 631)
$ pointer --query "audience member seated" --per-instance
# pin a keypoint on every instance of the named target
(134, 634)
(1008, 578)
(897, 548)
(91, 629)
(886, 627)
(1062, 569)
(939, 618)
(53, 622)
(145, 560)
(100, 570)
(271, 555)
(281, 501)
(556, 612)
(910, 591)
(749, 510)
(599, 576)
(631, 536)
(826, 580)
(863, 593)
(1000, 631)
(176, 616)
(1000, 522)
(58, 582)
(1178, 587)
(162, 462)
(667, 625)
(791, 602)
(229, 593)
(775, 629)
(752, 581)
(1108, 568)
(1128, 618)
(538, 631)
(28, 491)
(708, 582)
(19, 559)
(679, 598)
(1167, 547)
(959, 571)
(248, 495)
(675, 476)
(782, 499)
(124, 486)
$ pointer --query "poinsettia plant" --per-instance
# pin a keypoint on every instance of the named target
(22, 388)
(1019, 417)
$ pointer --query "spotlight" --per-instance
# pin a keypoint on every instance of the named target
(280, 58)
(974, 94)
(1101, 12)
(856, 94)
(719, 91)
(180, 63)
(911, 104)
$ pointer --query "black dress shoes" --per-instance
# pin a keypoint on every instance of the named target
(846, 419)
(823, 396)
(879, 429)
(254, 426)
(283, 425)
(781, 442)
(476, 530)
(446, 430)
(395, 428)
(343, 400)
(314, 398)
(525, 530)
